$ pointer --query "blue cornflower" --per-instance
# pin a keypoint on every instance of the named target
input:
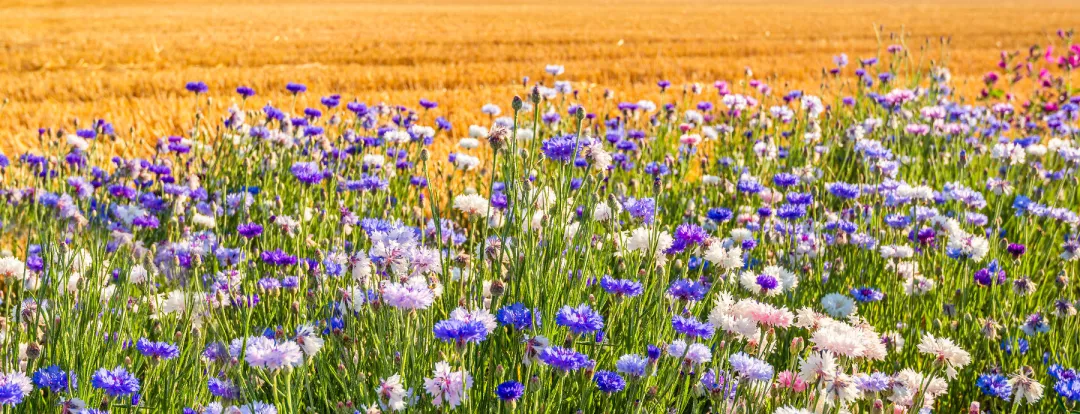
(460, 332)
(995, 385)
(843, 190)
(785, 179)
(801, 199)
(510, 391)
(13, 388)
(692, 327)
(157, 350)
(719, 214)
(116, 382)
(867, 294)
(751, 368)
(609, 381)
(621, 287)
(565, 359)
(223, 388)
(516, 315)
(580, 320)
(54, 379)
(791, 212)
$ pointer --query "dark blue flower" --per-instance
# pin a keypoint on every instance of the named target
(510, 391)
(116, 382)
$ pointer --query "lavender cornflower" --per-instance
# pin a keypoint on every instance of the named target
(277, 257)
(632, 365)
(581, 320)
(751, 368)
(622, 288)
(116, 382)
(875, 382)
(307, 172)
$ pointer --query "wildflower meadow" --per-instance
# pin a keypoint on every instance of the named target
(881, 244)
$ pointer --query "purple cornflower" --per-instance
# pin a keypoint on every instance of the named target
(609, 381)
(581, 320)
(621, 287)
(157, 350)
(197, 87)
(1016, 250)
(564, 359)
(116, 382)
(510, 391)
(692, 327)
(990, 275)
(245, 91)
(295, 88)
(688, 290)
(643, 209)
(277, 257)
(307, 172)
(249, 230)
(687, 235)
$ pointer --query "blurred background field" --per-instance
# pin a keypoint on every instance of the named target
(128, 61)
